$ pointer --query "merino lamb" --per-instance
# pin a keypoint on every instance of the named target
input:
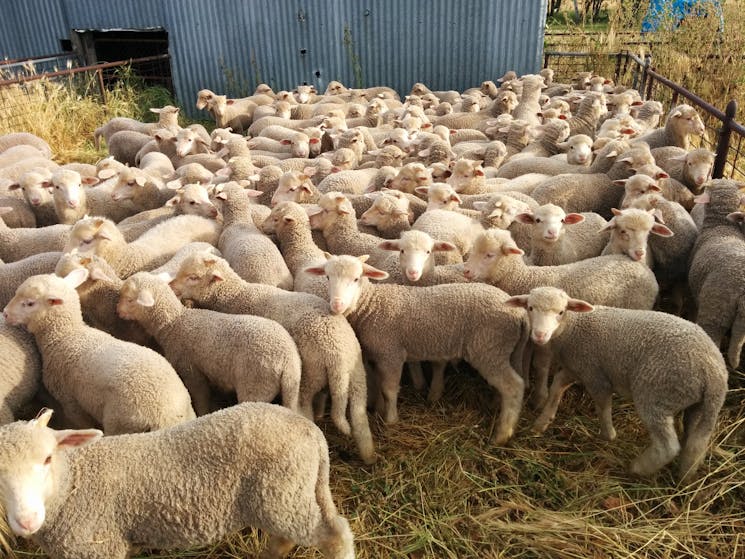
(99, 295)
(101, 237)
(250, 253)
(462, 321)
(665, 364)
(250, 465)
(330, 354)
(15, 273)
(291, 225)
(258, 360)
(97, 379)
(716, 275)
(629, 232)
(552, 243)
(682, 121)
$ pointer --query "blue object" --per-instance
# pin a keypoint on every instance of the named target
(664, 13)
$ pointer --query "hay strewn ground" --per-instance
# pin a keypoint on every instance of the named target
(441, 491)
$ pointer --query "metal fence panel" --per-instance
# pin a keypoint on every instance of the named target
(230, 46)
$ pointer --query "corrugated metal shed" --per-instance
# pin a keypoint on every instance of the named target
(231, 45)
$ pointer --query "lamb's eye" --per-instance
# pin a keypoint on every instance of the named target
(48, 460)
(530, 308)
(537, 220)
(192, 203)
(562, 312)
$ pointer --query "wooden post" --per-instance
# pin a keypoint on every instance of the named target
(723, 142)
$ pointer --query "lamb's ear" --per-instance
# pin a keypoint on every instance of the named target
(216, 276)
(608, 226)
(620, 182)
(578, 305)
(736, 217)
(480, 206)
(444, 246)
(316, 270)
(525, 217)
(703, 198)
(423, 190)
(517, 301)
(174, 184)
(309, 171)
(42, 418)
(141, 180)
(165, 277)
(373, 273)
(615, 211)
(145, 298)
(90, 181)
(389, 245)
(96, 274)
(76, 437)
(573, 218)
(507, 250)
(76, 277)
(107, 173)
(173, 201)
(661, 230)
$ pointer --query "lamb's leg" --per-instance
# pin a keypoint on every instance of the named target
(511, 389)
(416, 375)
(358, 416)
(277, 548)
(198, 387)
(603, 399)
(541, 364)
(437, 386)
(389, 376)
(664, 447)
(562, 380)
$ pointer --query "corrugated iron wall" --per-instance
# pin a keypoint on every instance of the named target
(231, 45)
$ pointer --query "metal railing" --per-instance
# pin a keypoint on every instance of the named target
(19, 94)
(724, 135)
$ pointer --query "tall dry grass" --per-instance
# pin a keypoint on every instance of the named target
(66, 111)
(696, 55)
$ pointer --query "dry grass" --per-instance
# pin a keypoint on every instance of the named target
(67, 111)
(695, 55)
(441, 491)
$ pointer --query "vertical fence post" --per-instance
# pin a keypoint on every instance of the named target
(617, 76)
(101, 86)
(645, 77)
(723, 142)
(545, 60)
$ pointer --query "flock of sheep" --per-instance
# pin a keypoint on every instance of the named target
(523, 228)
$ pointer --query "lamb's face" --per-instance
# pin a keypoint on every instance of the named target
(127, 185)
(38, 295)
(187, 142)
(489, 249)
(29, 301)
(90, 235)
(28, 458)
(345, 276)
(416, 249)
(36, 187)
(549, 221)
(699, 164)
(194, 199)
(547, 307)
(67, 188)
(134, 298)
(195, 276)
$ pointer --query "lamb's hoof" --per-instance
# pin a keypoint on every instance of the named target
(539, 427)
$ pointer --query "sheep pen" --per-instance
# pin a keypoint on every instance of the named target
(441, 490)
